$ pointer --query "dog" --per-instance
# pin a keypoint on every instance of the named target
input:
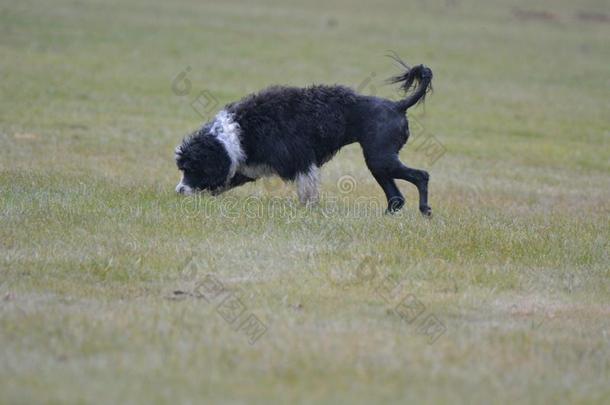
(291, 132)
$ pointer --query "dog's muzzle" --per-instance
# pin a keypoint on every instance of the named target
(184, 189)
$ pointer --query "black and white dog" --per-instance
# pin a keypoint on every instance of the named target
(291, 132)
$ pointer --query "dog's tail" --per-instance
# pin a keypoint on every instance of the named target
(418, 77)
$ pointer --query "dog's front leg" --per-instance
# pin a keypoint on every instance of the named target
(238, 180)
(308, 185)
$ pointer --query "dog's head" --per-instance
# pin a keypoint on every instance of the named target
(204, 163)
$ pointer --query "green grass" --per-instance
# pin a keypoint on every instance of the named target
(94, 243)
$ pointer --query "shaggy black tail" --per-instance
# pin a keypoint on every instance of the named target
(418, 77)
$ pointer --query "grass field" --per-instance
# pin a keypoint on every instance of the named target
(115, 289)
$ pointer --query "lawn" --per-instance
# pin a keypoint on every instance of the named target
(114, 289)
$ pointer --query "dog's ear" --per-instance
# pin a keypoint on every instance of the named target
(210, 161)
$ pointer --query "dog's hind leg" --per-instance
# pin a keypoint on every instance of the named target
(381, 169)
(308, 184)
(387, 167)
(417, 177)
(395, 198)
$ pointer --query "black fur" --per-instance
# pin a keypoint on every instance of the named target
(200, 154)
(288, 129)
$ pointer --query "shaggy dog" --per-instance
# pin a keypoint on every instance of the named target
(291, 132)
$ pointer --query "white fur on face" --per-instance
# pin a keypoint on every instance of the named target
(227, 131)
(183, 188)
(307, 185)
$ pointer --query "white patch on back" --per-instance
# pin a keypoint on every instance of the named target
(307, 185)
(227, 131)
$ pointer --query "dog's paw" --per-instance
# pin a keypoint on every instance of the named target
(425, 210)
